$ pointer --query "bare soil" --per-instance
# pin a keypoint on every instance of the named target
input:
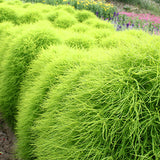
(7, 141)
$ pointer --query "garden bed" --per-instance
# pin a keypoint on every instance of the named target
(72, 87)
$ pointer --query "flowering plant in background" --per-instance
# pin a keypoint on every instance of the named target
(100, 8)
(126, 20)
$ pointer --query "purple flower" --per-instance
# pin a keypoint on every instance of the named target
(114, 14)
(96, 13)
(119, 27)
(68, 2)
(127, 25)
(117, 14)
(132, 25)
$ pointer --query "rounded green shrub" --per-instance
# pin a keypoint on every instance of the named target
(5, 28)
(104, 25)
(80, 28)
(90, 21)
(100, 24)
(27, 5)
(101, 34)
(29, 17)
(65, 21)
(7, 14)
(93, 94)
(119, 40)
(68, 9)
(14, 2)
(80, 42)
(7, 33)
(53, 15)
(83, 15)
(106, 110)
(21, 52)
(45, 73)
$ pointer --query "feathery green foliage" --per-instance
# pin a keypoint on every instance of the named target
(98, 23)
(65, 21)
(76, 88)
(101, 111)
(84, 15)
(80, 28)
(29, 17)
(20, 53)
(60, 12)
(53, 64)
(7, 14)
(80, 42)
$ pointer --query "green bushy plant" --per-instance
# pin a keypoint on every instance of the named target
(5, 28)
(67, 8)
(101, 8)
(52, 16)
(21, 52)
(7, 32)
(29, 17)
(114, 41)
(124, 39)
(84, 15)
(59, 12)
(57, 61)
(103, 24)
(7, 14)
(27, 5)
(95, 96)
(65, 21)
(80, 28)
(80, 42)
(97, 23)
(14, 2)
(101, 111)
(101, 34)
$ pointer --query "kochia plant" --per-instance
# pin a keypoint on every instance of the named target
(74, 88)
(21, 52)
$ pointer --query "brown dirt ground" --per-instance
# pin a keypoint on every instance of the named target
(7, 141)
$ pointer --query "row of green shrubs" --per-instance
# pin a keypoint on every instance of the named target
(100, 8)
(72, 87)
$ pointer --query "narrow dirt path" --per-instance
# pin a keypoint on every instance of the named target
(7, 141)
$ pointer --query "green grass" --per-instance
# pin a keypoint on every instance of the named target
(79, 89)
